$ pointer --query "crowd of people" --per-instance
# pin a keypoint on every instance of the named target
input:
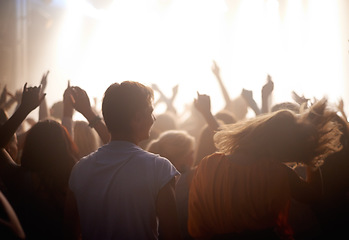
(127, 173)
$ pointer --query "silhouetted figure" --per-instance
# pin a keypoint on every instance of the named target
(244, 191)
(38, 188)
(122, 191)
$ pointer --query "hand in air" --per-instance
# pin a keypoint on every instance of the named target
(215, 69)
(81, 101)
(268, 88)
(31, 98)
(203, 103)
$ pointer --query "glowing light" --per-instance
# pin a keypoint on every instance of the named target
(175, 44)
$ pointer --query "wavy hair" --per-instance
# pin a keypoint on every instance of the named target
(173, 145)
(283, 135)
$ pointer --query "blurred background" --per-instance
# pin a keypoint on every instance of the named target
(302, 44)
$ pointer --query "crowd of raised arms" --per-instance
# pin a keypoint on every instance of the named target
(127, 173)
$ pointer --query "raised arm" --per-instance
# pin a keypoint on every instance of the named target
(68, 109)
(340, 108)
(31, 99)
(43, 109)
(248, 96)
(301, 100)
(163, 98)
(267, 89)
(203, 105)
(81, 103)
(7, 104)
(216, 71)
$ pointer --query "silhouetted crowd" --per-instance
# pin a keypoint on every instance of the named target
(127, 173)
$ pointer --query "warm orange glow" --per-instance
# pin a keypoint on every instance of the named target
(176, 43)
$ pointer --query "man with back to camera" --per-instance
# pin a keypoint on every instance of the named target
(122, 191)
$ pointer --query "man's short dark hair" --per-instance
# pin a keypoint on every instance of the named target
(122, 101)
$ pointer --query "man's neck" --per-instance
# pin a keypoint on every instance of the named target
(120, 137)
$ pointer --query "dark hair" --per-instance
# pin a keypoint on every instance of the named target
(50, 153)
(122, 101)
(286, 105)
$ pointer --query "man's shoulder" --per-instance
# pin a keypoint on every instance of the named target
(151, 156)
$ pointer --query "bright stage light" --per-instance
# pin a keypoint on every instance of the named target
(176, 43)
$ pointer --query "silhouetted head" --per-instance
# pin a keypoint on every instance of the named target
(123, 102)
(164, 122)
(49, 152)
(239, 107)
(85, 138)
(56, 111)
(225, 116)
(286, 106)
(175, 145)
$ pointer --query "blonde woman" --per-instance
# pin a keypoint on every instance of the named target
(244, 191)
(85, 138)
(178, 147)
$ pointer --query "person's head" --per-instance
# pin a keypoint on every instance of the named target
(164, 122)
(56, 111)
(85, 138)
(286, 105)
(205, 143)
(50, 153)
(239, 107)
(128, 110)
(283, 136)
(175, 145)
(225, 116)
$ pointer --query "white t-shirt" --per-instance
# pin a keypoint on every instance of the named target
(116, 189)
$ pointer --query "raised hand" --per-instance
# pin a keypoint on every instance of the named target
(340, 108)
(340, 105)
(215, 69)
(174, 92)
(80, 101)
(247, 95)
(31, 98)
(299, 99)
(44, 112)
(268, 88)
(203, 104)
(162, 98)
(165, 99)
(44, 81)
(68, 101)
(155, 87)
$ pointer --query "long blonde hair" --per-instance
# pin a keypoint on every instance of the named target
(307, 138)
(85, 138)
(174, 145)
